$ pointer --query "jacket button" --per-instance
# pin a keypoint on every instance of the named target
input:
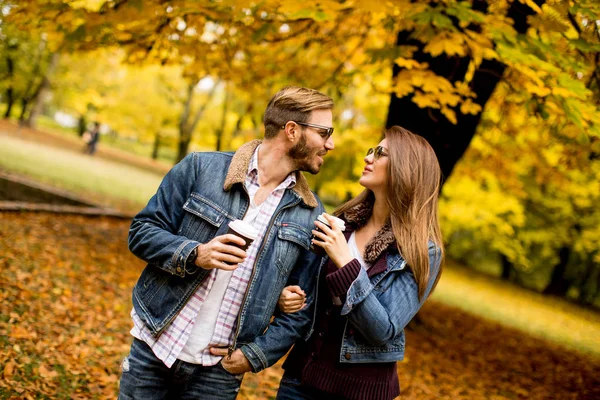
(350, 331)
(313, 355)
(321, 334)
(347, 356)
(328, 311)
(178, 269)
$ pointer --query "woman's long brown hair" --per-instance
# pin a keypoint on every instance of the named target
(413, 186)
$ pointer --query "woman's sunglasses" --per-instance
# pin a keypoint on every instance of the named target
(378, 152)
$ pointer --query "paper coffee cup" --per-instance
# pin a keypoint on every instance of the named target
(321, 218)
(244, 230)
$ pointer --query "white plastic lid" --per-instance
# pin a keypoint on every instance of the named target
(244, 229)
(340, 223)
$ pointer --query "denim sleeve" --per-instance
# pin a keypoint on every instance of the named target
(285, 329)
(381, 318)
(153, 231)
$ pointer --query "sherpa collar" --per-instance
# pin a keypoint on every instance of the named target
(358, 216)
(239, 168)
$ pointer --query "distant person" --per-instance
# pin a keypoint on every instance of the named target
(379, 272)
(91, 138)
(202, 308)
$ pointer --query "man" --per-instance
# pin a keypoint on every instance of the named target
(93, 137)
(202, 307)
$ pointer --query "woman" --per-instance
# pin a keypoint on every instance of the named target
(377, 275)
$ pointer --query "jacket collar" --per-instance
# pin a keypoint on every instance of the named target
(239, 169)
(383, 239)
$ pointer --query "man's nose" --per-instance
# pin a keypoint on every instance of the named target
(329, 145)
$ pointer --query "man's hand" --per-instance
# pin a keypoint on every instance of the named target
(219, 253)
(236, 364)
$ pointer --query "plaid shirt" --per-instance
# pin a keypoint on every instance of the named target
(169, 344)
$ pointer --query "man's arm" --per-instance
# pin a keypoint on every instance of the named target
(286, 329)
(152, 235)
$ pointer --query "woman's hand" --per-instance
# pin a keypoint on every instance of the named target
(292, 299)
(333, 241)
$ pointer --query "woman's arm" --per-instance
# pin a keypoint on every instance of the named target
(381, 316)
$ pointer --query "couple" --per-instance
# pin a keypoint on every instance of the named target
(205, 312)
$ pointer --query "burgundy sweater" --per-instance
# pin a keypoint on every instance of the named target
(316, 362)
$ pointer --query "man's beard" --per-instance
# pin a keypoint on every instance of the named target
(302, 155)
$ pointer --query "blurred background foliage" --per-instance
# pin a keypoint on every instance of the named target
(507, 92)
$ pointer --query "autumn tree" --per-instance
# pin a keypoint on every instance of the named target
(525, 72)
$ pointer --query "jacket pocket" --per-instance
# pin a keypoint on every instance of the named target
(293, 239)
(202, 218)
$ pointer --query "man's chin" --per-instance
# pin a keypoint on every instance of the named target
(316, 167)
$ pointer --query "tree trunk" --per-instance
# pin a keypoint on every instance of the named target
(589, 288)
(156, 146)
(186, 128)
(39, 96)
(24, 106)
(221, 130)
(450, 141)
(32, 91)
(559, 284)
(508, 268)
(10, 100)
(182, 147)
(81, 125)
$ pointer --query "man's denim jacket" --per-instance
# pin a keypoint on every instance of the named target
(194, 203)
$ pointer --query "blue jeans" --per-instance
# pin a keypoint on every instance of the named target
(145, 377)
(292, 389)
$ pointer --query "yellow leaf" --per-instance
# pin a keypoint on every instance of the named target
(541, 91)
(403, 84)
(9, 369)
(468, 107)
(18, 332)
(425, 100)
(448, 98)
(450, 114)
(410, 64)
(46, 372)
(559, 91)
(450, 44)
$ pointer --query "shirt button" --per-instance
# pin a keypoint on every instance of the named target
(347, 356)
(350, 331)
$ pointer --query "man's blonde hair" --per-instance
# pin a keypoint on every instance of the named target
(293, 103)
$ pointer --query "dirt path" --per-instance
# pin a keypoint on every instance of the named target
(10, 128)
(65, 289)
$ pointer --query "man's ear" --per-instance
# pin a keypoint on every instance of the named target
(291, 130)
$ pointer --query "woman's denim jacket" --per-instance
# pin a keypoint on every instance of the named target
(378, 309)
(194, 203)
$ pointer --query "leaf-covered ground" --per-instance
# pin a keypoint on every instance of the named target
(65, 287)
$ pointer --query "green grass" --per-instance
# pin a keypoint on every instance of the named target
(107, 182)
(541, 316)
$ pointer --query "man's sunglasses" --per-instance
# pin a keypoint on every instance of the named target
(324, 131)
(378, 151)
